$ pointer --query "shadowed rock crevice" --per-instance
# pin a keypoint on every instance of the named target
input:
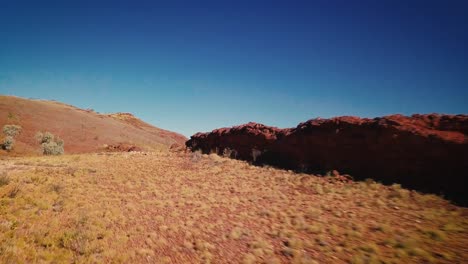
(425, 152)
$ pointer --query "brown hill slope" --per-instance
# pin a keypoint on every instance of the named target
(82, 130)
(424, 152)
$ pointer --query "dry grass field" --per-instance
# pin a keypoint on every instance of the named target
(163, 207)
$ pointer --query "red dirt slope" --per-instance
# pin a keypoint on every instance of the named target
(424, 152)
(82, 130)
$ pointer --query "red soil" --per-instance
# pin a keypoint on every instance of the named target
(82, 130)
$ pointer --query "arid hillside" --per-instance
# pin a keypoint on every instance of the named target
(82, 130)
(425, 152)
(165, 207)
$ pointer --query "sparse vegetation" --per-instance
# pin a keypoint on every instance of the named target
(162, 207)
(13, 191)
(228, 153)
(196, 155)
(8, 143)
(11, 116)
(255, 154)
(50, 144)
(10, 131)
(4, 179)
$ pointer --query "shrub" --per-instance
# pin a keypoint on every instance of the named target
(197, 155)
(4, 179)
(8, 143)
(45, 137)
(52, 148)
(230, 153)
(11, 130)
(227, 153)
(255, 154)
(50, 144)
(13, 191)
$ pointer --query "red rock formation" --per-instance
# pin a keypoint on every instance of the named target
(242, 138)
(424, 152)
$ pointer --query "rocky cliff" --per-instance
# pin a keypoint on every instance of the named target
(424, 152)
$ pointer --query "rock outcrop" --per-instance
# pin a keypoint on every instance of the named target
(424, 152)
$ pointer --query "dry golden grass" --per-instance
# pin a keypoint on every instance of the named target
(172, 208)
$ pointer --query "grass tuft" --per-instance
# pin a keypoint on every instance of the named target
(4, 179)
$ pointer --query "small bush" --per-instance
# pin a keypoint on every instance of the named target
(197, 155)
(45, 137)
(438, 235)
(11, 130)
(8, 143)
(52, 148)
(13, 192)
(255, 154)
(4, 179)
(227, 152)
(230, 153)
(50, 144)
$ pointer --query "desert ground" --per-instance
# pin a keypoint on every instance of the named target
(178, 207)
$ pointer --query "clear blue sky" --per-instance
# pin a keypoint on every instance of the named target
(198, 65)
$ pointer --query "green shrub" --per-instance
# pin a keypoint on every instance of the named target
(52, 148)
(50, 144)
(11, 130)
(45, 137)
(8, 143)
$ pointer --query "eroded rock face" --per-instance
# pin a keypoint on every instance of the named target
(424, 152)
(243, 139)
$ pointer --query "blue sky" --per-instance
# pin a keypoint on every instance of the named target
(192, 66)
